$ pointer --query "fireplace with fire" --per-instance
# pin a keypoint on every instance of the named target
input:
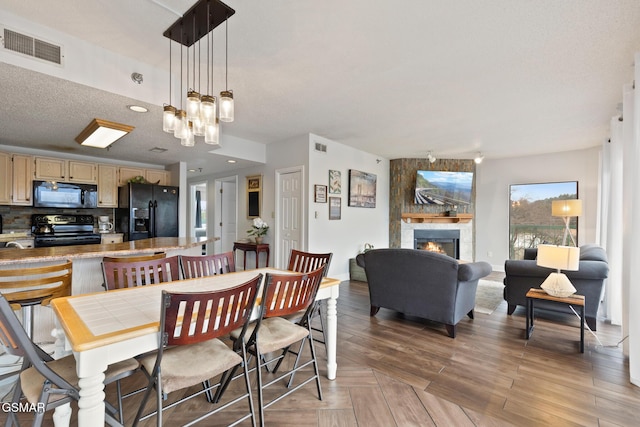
(441, 241)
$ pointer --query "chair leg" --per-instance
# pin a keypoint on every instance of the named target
(315, 368)
(451, 330)
(159, 400)
(206, 385)
(225, 380)
(259, 366)
(152, 382)
(295, 365)
(119, 394)
(247, 381)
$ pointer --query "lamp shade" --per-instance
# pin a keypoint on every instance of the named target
(571, 207)
(559, 257)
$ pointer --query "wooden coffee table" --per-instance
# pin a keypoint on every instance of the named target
(540, 295)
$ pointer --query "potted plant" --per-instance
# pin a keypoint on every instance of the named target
(258, 229)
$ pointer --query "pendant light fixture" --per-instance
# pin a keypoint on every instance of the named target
(169, 113)
(226, 96)
(199, 116)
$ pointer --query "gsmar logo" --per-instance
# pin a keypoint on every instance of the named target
(23, 407)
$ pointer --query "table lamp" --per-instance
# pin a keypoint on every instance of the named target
(566, 209)
(560, 258)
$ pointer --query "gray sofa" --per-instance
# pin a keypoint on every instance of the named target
(422, 283)
(522, 275)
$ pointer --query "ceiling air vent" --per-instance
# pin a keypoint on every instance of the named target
(322, 148)
(33, 47)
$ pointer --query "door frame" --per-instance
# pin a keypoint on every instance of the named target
(191, 214)
(217, 184)
(280, 263)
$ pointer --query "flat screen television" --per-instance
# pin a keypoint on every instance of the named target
(443, 188)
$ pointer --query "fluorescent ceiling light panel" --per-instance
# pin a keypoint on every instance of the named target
(102, 133)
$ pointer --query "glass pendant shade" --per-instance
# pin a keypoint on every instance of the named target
(208, 109)
(188, 140)
(193, 105)
(198, 126)
(226, 106)
(212, 133)
(168, 118)
(181, 125)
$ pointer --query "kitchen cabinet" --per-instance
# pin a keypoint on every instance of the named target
(107, 186)
(126, 173)
(51, 169)
(48, 169)
(157, 176)
(22, 180)
(5, 178)
(82, 172)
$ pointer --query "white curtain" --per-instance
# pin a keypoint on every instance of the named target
(611, 232)
(631, 188)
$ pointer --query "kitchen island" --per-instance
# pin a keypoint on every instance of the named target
(87, 268)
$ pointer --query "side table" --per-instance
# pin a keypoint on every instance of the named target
(539, 294)
(251, 247)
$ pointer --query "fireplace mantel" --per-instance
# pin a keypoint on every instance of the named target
(440, 218)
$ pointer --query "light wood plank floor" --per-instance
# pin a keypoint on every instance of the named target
(400, 371)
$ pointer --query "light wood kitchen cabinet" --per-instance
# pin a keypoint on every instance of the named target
(49, 169)
(5, 178)
(126, 173)
(83, 172)
(22, 180)
(157, 176)
(107, 186)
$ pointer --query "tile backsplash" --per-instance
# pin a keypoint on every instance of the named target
(18, 218)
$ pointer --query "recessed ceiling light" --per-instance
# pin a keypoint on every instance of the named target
(231, 161)
(191, 170)
(158, 150)
(137, 108)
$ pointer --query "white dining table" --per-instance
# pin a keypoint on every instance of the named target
(107, 327)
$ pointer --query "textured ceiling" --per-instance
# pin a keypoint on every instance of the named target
(398, 79)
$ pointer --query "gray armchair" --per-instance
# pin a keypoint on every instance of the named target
(593, 269)
(422, 283)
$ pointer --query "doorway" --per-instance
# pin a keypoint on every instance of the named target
(198, 211)
(226, 213)
(290, 213)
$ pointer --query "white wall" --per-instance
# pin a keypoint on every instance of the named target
(346, 237)
(493, 178)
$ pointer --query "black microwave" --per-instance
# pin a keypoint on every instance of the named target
(52, 194)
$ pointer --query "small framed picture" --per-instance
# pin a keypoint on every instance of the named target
(335, 182)
(320, 193)
(335, 207)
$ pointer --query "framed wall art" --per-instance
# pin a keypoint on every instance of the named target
(335, 182)
(335, 208)
(320, 193)
(254, 196)
(362, 189)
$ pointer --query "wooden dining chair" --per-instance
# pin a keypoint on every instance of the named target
(27, 287)
(190, 352)
(45, 382)
(127, 274)
(207, 265)
(283, 295)
(305, 262)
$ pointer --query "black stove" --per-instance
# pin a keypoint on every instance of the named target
(63, 230)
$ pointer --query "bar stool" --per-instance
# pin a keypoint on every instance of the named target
(25, 288)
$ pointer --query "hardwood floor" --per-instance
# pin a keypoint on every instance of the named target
(400, 371)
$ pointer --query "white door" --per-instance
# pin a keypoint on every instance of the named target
(225, 214)
(289, 215)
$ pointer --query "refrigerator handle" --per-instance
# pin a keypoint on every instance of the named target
(151, 219)
(155, 223)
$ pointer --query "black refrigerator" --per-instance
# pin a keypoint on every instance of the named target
(147, 210)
